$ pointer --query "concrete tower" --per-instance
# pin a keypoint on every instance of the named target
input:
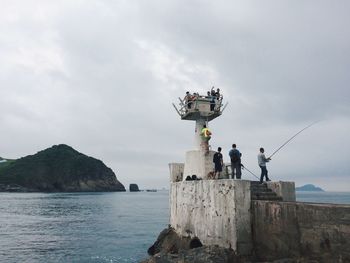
(200, 109)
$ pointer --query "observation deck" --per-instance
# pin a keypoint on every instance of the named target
(200, 107)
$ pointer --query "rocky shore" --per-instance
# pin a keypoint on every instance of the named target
(171, 248)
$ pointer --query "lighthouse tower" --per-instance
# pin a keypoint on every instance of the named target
(201, 109)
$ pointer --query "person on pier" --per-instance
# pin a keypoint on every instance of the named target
(218, 163)
(262, 160)
(236, 164)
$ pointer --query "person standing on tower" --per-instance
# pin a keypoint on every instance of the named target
(236, 165)
(206, 136)
(188, 99)
(218, 162)
(262, 160)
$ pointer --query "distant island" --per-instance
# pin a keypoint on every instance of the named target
(57, 169)
(309, 187)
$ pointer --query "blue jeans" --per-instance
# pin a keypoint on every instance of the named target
(263, 173)
(236, 169)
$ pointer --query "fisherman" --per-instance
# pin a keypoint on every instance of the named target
(262, 160)
(206, 136)
(218, 162)
(236, 164)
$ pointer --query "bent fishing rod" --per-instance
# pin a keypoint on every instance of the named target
(245, 168)
(291, 138)
(284, 144)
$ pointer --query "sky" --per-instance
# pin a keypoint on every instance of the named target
(101, 76)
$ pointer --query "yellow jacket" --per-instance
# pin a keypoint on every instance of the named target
(205, 132)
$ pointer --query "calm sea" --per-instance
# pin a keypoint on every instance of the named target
(91, 227)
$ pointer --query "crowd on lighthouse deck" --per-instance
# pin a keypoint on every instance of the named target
(214, 97)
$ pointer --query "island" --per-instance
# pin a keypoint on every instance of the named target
(309, 187)
(134, 188)
(59, 168)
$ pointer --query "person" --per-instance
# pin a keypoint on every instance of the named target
(218, 162)
(217, 94)
(212, 92)
(206, 136)
(212, 100)
(236, 164)
(262, 160)
(188, 99)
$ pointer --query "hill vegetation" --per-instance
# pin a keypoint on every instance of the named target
(309, 187)
(59, 169)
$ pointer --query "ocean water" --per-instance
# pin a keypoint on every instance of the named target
(80, 227)
(91, 227)
(323, 197)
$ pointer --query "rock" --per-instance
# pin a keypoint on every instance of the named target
(134, 188)
(205, 254)
(171, 248)
(60, 169)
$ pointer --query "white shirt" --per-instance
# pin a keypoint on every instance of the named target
(262, 159)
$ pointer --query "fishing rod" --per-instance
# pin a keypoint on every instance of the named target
(291, 138)
(243, 167)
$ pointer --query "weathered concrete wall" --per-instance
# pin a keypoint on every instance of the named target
(215, 211)
(198, 163)
(290, 230)
(286, 190)
(176, 172)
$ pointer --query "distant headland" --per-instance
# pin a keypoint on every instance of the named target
(309, 187)
(59, 168)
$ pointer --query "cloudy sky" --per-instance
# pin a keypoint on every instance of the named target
(100, 76)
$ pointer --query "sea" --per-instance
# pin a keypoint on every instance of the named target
(92, 227)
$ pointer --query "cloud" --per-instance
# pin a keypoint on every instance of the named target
(101, 76)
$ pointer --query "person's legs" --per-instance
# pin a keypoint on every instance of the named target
(219, 171)
(216, 172)
(239, 171)
(232, 171)
(262, 173)
(266, 175)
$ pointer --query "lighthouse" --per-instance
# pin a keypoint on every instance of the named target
(200, 109)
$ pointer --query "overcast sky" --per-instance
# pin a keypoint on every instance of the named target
(100, 76)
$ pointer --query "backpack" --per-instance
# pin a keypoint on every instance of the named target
(235, 156)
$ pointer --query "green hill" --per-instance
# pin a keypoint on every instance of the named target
(59, 169)
(309, 187)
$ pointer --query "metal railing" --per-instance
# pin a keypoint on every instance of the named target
(184, 104)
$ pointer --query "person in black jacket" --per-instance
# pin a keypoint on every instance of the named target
(218, 162)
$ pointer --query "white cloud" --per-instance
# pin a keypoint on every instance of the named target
(101, 76)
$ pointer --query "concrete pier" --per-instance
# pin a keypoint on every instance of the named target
(215, 211)
(260, 221)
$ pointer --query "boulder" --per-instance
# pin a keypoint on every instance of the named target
(170, 247)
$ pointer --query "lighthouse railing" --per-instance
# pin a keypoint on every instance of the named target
(184, 105)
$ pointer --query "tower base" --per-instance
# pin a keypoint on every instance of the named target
(198, 163)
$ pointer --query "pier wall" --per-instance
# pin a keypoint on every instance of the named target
(215, 211)
(320, 232)
(286, 190)
(221, 212)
